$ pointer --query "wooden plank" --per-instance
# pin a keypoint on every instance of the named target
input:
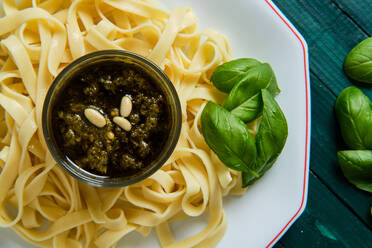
(359, 11)
(326, 222)
(326, 140)
(330, 35)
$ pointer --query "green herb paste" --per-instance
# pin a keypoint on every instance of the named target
(111, 151)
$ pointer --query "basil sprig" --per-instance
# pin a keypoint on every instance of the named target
(243, 79)
(251, 86)
(354, 114)
(358, 63)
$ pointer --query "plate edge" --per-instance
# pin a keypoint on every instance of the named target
(304, 46)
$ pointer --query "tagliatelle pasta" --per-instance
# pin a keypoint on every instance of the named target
(49, 208)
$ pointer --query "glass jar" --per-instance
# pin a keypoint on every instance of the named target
(63, 80)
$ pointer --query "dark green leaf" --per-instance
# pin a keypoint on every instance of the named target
(228, 137)
(358, 63)
(354, 114)
(357, 167)
(228, 74)
(270, 139)
(250, 109)
(259, 77)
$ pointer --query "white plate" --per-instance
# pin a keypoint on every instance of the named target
(255, 28)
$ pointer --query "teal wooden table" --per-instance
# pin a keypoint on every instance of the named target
(337, 214)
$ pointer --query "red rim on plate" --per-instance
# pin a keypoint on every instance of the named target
(307, 137)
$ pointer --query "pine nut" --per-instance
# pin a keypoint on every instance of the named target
(125, 106)
(123, 123)
(95, 117)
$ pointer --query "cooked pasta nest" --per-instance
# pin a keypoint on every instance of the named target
(46, 206)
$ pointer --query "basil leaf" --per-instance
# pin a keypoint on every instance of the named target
(357, 167)
(228, 74)
(228, 137)
(358, 63)
(249, 109)
(354, 114)
(270, 139)
(259, 77)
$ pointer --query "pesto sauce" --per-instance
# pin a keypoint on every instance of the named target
(102, 87)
